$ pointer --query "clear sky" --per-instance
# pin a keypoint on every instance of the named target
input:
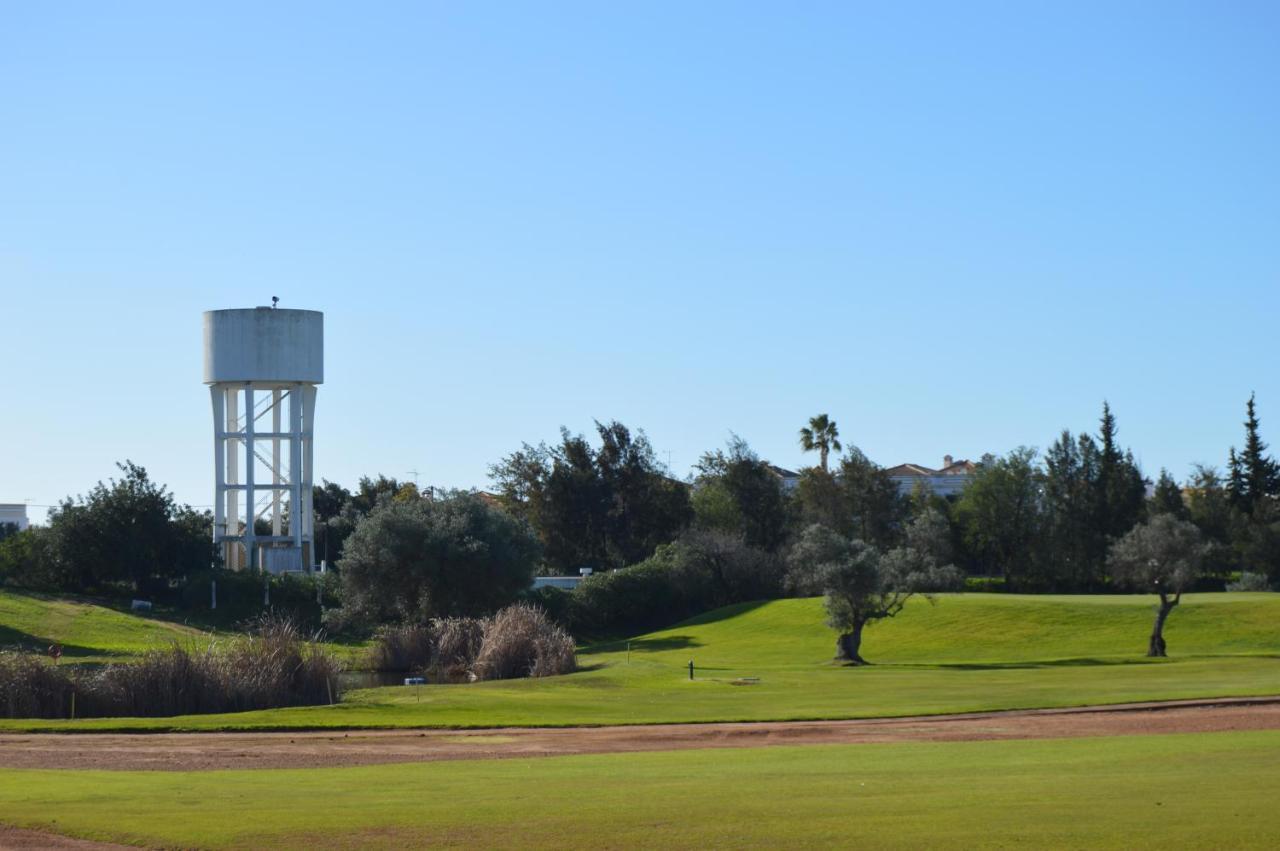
(956, 227)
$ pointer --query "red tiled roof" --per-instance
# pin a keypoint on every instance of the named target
(910, 470)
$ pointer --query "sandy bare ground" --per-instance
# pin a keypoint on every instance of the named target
(13, 837)
(208, 751)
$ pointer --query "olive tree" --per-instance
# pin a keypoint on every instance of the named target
(418, 559)
(1164, 556)
(860, 584)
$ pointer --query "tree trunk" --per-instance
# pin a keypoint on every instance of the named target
(847, 646)
(1156, 646)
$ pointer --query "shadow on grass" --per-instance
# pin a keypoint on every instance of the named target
(14, 639)
(666, 642)
(722, 614)
(1031, 664)
(644, 645)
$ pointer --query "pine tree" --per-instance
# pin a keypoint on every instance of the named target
(1260, 473)
(1075, 546)
(1167, 498)
(1107, 433)
(1235, 480)
(1121, 490)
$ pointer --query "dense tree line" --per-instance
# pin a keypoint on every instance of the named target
(1046, 522)
(597, 507)
(127, 535)
(1070, 519)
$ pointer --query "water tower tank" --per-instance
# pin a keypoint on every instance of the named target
(262, 366)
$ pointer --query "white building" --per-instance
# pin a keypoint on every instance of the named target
(949, 480)
(15, 513)
(789, 480)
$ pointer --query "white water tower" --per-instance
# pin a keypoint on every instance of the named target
(262, 366)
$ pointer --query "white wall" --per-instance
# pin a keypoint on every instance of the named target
(14, 513)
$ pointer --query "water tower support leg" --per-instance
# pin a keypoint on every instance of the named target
(250, 495)
(297, 512)
(275, 464)
(219, 396)
(233, 477)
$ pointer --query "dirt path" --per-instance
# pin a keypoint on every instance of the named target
(206, 751)
(14, 837)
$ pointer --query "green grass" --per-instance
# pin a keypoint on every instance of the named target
(95, 632)
(1188, 791)
(968, 653)
(88, 631)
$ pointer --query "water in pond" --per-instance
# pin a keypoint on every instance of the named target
(372, 679)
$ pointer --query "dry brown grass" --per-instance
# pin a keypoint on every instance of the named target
(518, 641)
(274, 665)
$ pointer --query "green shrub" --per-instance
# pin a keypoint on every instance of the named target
(241, 598)
(698, 572)
(556, 602)
(417, 559)
(1250, 582)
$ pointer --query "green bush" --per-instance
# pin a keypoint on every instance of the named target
(1250, 582)
(417, 559)
(240, 596)
(698, 572)
(556, 602)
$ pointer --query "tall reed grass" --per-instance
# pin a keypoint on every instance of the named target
(275, 664)
(518, 641)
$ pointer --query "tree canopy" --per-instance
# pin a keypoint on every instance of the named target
(412, 560)
(821, 435)
(1162, 556)
(126, 531)
(602, 507)
(734, 491)
(860, 584)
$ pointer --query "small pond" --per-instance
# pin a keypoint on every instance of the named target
(372, 679)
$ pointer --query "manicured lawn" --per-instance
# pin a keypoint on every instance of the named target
(87, 631)
(1187, 791)
(967, 653)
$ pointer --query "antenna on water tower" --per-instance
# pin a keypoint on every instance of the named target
(275, 301)
(262, 361)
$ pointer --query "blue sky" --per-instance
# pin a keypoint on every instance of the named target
(954, 227)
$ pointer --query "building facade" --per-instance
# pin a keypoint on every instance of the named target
(946, 481)
(14, 513)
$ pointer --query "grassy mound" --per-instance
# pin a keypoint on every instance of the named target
(974, 628)
(87, 631)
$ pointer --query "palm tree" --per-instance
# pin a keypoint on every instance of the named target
(820, 434)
